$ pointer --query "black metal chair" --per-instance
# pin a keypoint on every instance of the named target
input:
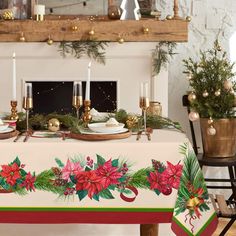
(225, 208)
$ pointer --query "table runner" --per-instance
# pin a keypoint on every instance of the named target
(117, 181)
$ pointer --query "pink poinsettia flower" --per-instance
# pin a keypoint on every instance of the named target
(11, 173)
(29, 182)
(172, 174)
(109, 173)
(71, 168)
(156, 181)
(90, 181)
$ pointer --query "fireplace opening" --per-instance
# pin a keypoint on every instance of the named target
(49, 97)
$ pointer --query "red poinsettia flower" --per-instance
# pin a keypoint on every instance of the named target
(11, 173)
(109, 173)
(172, 174)
(90, 181)
(156, 181)
(29, 182)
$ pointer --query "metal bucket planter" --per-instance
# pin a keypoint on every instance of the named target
(223, 143)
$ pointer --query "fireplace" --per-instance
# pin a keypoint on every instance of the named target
(56, 96)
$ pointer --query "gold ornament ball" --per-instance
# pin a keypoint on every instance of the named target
(121, 40)
(228, 84)
(192, 96)
(145, 30)
(53, 125)
(132, 121)
(211, 131)
(74, 28)
(219, 48)
(210, 121)
(169, 17)
(22, 38)
(50, 42)
(91, 32)
(193, 116)
(205, 94)
(188, 18)
(217, 93)
(8, 15)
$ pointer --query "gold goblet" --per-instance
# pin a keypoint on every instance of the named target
(77, 100)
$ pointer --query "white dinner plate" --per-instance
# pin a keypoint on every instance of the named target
(87, 131)
(103, 128)
(7, 130)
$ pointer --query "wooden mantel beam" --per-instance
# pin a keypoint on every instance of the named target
(111, 31)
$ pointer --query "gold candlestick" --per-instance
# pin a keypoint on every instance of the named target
(14, 115)
(87, 117)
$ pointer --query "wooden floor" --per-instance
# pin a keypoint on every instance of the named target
(222, 223)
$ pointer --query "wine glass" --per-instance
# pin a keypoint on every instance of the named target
(77, 100)
(144, 102)
(27, 102)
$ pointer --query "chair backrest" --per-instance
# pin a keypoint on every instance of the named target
(185, 103)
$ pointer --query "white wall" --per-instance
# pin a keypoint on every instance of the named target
(129, 64)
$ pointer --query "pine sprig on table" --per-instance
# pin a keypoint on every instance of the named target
(93, 49)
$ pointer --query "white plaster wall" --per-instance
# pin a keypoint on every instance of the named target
(129, 64)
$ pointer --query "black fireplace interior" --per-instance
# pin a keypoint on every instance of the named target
(49, 97)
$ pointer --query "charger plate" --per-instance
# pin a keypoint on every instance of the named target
(100, 137)
(10, 134)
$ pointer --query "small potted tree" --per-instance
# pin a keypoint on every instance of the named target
(213, 100)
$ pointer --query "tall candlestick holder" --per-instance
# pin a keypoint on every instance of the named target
(87, 117)
(14, 115)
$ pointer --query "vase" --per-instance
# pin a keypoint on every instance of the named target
(223, 143)
(154, 109)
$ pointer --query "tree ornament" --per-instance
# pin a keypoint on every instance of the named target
(169, 17)
(130, 10)
(219, 48)
(217, 93)
(166, 190)
(228, 84)
(211, 131)
(205, 94)
(210, 121)
(120, 40)
(193, 116)
(53, 125)
(114, 12)
(132, 121)
(50, 41)
(145, 30)
(188, 18)
(192, 96)
(190, 76)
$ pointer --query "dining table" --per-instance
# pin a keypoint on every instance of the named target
(55, 180)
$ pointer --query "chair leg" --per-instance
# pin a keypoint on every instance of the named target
(149, 230)
(226, 228)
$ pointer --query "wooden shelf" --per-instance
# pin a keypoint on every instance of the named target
(105, 30)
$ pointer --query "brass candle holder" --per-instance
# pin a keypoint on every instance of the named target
(14, 115)
(87, 117)
(27, 105)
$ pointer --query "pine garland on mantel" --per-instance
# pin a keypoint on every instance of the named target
(93, 49)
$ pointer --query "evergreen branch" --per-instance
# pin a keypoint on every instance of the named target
(44, 181)
(161, 55)
(139, 178)
(93, 49)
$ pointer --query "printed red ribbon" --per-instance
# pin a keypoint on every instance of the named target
(129, 199)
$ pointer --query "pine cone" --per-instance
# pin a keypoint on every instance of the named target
(60, 182)
(56, 171)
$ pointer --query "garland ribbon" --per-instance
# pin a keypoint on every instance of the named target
(129, 199)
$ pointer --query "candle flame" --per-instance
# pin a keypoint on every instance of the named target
(89, 65)
(14, 55)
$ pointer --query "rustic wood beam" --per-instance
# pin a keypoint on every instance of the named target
(106, 30)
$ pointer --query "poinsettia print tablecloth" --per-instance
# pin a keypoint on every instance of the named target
(119, 181)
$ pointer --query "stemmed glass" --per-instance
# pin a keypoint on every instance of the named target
(144, 104)
(77, 101)
(27, 103)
